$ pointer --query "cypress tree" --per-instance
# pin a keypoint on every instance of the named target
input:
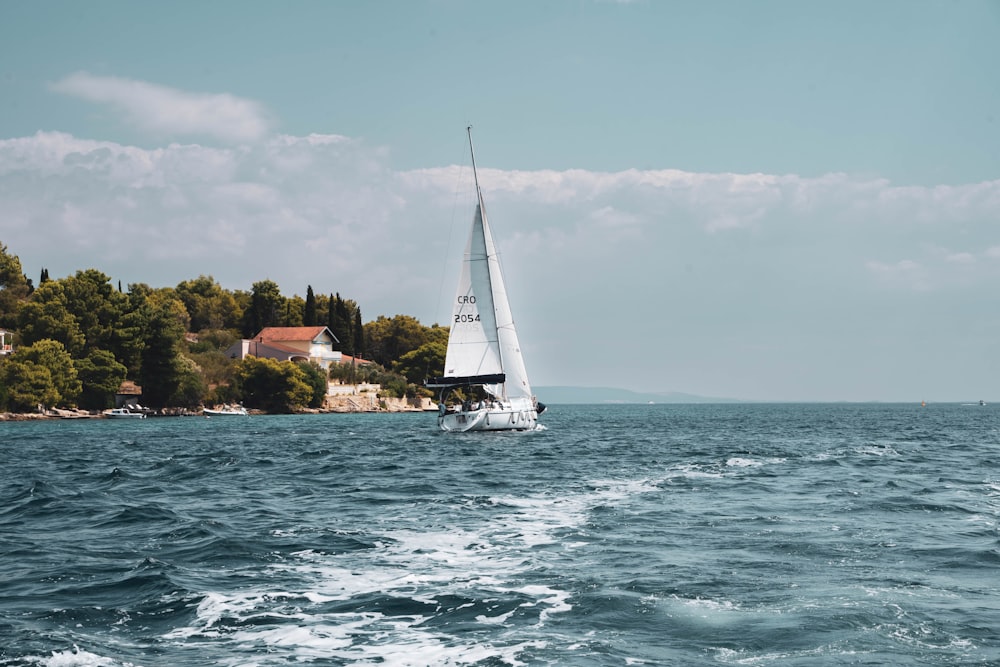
(331, 315)
(342, 320)
(359, 334)
(309, 317)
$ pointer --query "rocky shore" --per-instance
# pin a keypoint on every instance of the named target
(344, 404)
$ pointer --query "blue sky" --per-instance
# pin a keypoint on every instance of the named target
(759, 200)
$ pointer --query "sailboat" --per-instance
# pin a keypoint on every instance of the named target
(485, 385)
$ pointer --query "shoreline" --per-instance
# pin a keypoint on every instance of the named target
(334, 404)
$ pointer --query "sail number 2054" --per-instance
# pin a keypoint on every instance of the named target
(467, 300)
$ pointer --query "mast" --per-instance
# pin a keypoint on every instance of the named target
(479, 193)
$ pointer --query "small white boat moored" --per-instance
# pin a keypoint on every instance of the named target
(124, 413)
(227, 411)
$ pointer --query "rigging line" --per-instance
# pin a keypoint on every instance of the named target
(460, 163)
(472, 151)
(497, 254)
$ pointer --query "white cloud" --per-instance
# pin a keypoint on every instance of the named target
(961, 258)
(239, 213)
(331, 203)
(168, 111)
(904, 268)
(614, 220)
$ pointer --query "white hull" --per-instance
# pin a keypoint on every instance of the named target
(124, 414)
(488, 419)
(241, 412)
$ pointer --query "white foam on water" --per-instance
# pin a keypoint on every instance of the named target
(608, 490)
(877, 450)
(77, 658)
(703, 610)
(692, 471)
(922, 636)
(554, 598)
(543, 519)
(485, 563)
(495, 620)
(361, 638)
(741, 657)
(738, 462)
(488, 562)
(741, 462)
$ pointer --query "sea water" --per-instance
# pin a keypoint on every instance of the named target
(617, 535)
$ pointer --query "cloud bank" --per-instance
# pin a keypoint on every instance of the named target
(168, 111)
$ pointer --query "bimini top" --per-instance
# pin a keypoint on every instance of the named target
(464, 381)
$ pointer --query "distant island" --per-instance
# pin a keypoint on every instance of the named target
(594, 395)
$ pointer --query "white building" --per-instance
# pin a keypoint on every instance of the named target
(290, 344)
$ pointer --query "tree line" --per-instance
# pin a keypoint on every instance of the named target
(78, 338)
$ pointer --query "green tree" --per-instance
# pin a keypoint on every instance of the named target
(97, 307)
(101, 377)
(191, 389)
(208, 305)
(331, 316)
(52, 355)
(424, 362)
(393, 384)
(389, 339)
(106, 316)
(437, 334)
(161, 369)
(267, 307)
(214, 340)
(25, 385)
(46, 317)
(344, 319)
(130, 334)
(217, 371)
(294, 309)
(14, 287)
(318, 381)
(273, 386)
(322, 311)
(309, 317)
(344, 373)
(359, 335)
(243, 300)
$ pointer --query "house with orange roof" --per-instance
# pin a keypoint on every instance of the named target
(357, 361)
(315, 344)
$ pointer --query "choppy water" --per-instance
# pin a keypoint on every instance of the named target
(621, 535)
